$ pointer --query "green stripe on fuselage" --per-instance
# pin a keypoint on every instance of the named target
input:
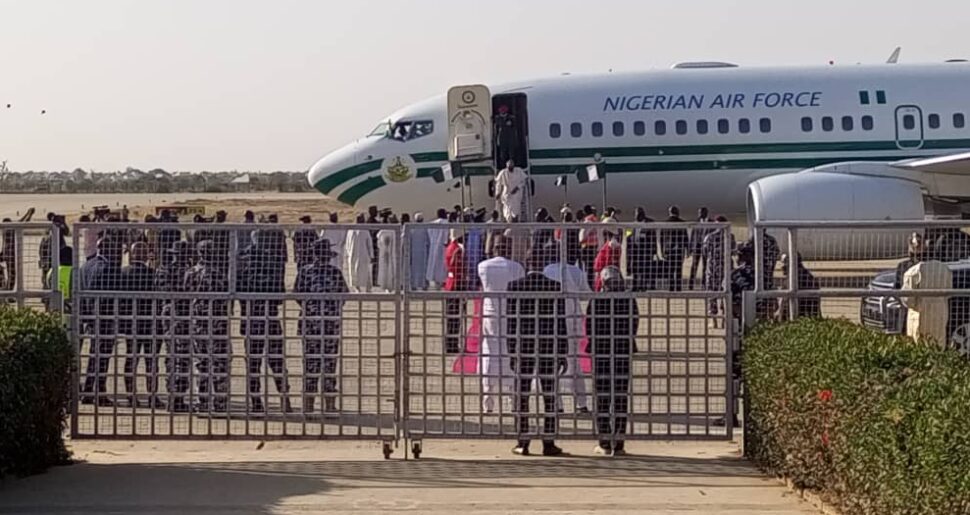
(726, 164)
(330, 182)
(357, 191)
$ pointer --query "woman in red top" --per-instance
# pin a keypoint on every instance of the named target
(609, 255)
(456, 281)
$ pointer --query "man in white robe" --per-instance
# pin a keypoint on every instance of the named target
(510, 186)
(495, 367)
(418, 240)
(573, 280)
(360, 252)
(437, 242)
(927, 317)
(338, 242)
(387, 256)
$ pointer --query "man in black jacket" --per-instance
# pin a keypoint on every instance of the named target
(138, 317)
(98, 312)
(673, 244)
(538, 343)
(612, 325)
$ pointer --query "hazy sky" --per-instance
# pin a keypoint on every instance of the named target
(266, 85)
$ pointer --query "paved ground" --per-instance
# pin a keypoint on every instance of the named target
(452, 477)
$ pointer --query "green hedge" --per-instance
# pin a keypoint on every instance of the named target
(876, 423)
(35, 386)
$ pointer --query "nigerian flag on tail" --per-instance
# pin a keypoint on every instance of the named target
(591, 173)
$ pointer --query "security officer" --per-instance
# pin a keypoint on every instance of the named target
(303, 240)
(210, 328)
(506, 132)
(138, 315)
(538, 344)
(262, 270)
(101, 273)
(673, 244)
(320, 325)
(174, 310)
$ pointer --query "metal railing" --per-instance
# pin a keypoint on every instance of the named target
(265, 332)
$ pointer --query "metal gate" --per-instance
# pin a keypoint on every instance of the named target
(505, 336)
(235, 331)
(267, 331)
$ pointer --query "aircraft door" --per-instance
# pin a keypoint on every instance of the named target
(469, 124)
(909, 127)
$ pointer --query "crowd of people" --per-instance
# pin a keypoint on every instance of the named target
(526, 340)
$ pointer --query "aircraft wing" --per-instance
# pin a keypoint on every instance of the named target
(953, 164)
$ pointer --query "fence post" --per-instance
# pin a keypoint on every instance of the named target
(732, 344)
(793, 266)
(56, 296)
(75, 334)
(18, 265)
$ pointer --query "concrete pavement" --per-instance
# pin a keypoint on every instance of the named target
(477, 477)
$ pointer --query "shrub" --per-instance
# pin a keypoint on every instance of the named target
(35, 385)
(876, 423)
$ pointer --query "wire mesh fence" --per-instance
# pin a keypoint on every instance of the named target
(896, 277)
(567, 331)
(30, 263)
(523, 331)
(211, 330)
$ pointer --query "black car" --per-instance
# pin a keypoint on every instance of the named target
(887, 314)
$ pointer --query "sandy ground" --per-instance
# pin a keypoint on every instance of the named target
(289, 206)
(453, 477)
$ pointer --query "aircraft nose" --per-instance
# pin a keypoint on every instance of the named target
(325, 174)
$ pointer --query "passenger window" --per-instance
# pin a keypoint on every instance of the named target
(639, 128)
(867, 123)
(807, 125)
(934, 121)
(408, 130)
(576, 130)
(702, 127)
(828, 124)
(660, 128)
(555, 130)
(597, 130)
(681, 127)
(618, 129)
(765, 125)
(959, 121)
(744, 125)
(723, 126)
(847, 123)
(909, 122)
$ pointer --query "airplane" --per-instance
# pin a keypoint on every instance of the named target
(861, 142)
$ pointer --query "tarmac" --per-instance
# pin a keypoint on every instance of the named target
(479, 477)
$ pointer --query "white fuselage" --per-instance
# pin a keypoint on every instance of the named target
(690, 137)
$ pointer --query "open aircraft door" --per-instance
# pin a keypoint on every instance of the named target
(469, 124)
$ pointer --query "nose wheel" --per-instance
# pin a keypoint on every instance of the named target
(388, 450)
(416, 449)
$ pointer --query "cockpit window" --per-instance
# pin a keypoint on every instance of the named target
(409, 130)
(382, 129)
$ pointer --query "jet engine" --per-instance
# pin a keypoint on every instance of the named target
(819, 195)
